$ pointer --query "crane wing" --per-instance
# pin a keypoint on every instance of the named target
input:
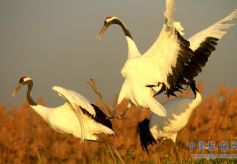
(78, 104)
(169, 53)
(75, 99)
(217, 30)
(203, 44)
(169, 12)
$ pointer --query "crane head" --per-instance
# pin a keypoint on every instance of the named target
(23, 81)
(107, 22)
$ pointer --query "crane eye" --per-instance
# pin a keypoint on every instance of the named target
(22, 79)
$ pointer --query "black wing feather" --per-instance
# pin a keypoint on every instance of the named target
(99, 117)
(189, 64)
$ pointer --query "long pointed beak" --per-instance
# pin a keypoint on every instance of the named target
(16, 90)
(102, 31)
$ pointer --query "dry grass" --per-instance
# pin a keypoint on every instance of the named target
(25, 137)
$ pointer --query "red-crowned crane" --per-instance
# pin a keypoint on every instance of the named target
(77, 116)
(179, 111)
(169, 63)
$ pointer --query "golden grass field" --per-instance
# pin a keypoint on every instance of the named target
(26, 138)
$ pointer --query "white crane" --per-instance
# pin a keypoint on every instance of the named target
(77, 116)
(169, 63)
(179, 111)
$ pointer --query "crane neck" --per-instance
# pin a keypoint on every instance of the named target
(133, 51)
(39, 109)
(125, 30)
(28, 94)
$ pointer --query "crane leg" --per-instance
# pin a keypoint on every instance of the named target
(118, 155)
(158, 146)
(111, 150)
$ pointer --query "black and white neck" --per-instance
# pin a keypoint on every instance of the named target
(28, 94)
(116, 20)
(133, 51)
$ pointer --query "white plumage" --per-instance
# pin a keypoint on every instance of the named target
(169, 63)
(77, 116)
(179, 111)
(217, 30)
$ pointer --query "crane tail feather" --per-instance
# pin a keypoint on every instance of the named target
(145, 135)
(155, 106)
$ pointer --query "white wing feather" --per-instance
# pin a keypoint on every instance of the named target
(179, 27)
(169, 12)
(217, 30)
(163, 54)
(77, 101)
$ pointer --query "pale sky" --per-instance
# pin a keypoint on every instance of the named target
(54, 42)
